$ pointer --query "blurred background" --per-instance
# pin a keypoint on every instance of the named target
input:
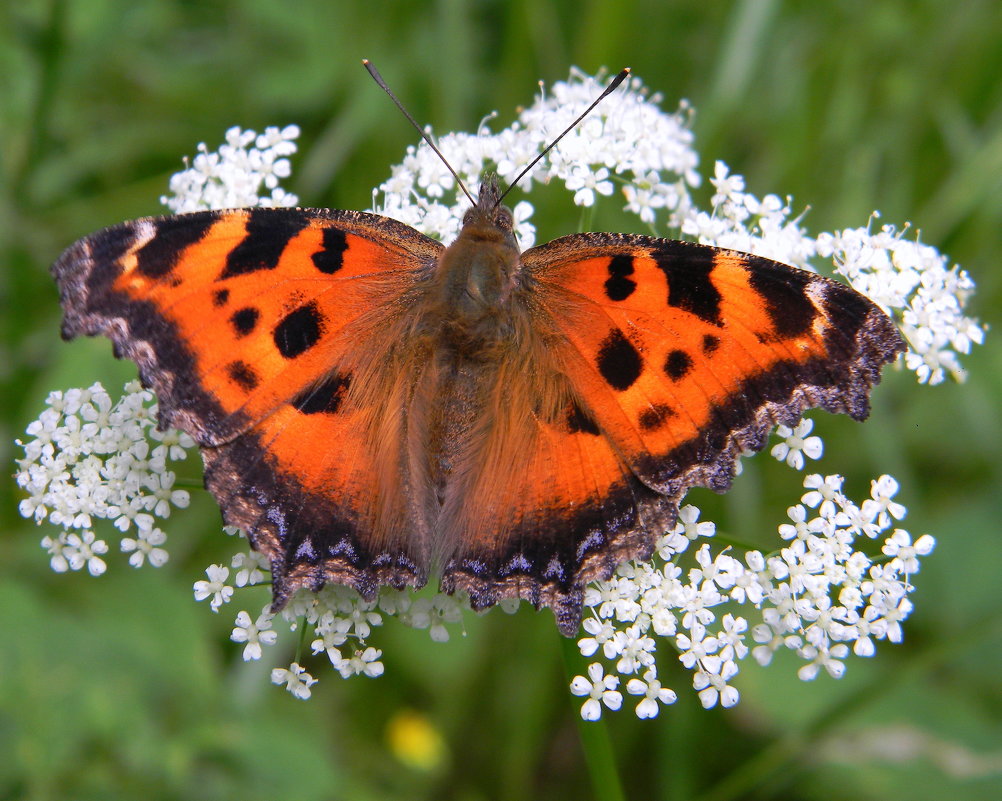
(122, 687)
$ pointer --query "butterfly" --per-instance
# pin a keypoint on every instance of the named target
(375, 408)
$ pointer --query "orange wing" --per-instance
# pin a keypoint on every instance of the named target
(649, 365)
(684, 354)
(265, 334)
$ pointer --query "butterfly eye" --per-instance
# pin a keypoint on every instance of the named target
(503, 219)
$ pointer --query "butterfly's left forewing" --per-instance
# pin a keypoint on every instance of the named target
(277, 338)
(685, 355)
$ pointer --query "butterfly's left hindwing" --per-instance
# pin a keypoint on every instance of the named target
(263, 332)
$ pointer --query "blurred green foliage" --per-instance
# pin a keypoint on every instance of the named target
(122, 687)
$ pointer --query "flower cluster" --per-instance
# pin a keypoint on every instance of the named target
(741, 221)
(817, 596)
(235, 175)
(627, 138)
(340, 620)
(915, 285)
(90, 458)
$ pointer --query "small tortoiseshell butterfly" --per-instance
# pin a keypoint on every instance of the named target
(374, 407)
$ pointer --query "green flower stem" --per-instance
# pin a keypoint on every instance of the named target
(302, 641)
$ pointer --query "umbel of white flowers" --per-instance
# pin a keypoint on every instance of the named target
(90, 458)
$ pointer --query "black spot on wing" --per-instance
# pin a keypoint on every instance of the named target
(784, 290)
(331, 257)
(688, 266)
(220, 297)
(299, 331)
(618, 286)
(268, 233)
(618, 361)
(710, 344)
(656, 416)
(158, 257)
(243, 375)
(324, 398)
(579, 421)
(677, 364)
(244, 321)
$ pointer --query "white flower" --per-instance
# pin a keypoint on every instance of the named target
(253, 632)
(635, 650)
(602, 632)
(654, 694)
(697, 648)
(626, 134)
(728, 187)
(915, 285)
(881, 508)
(829, 659)
(334, 632)
(146, 546)
(215, 587)
(444, 609)
(600, 689)
(131, 513)
(824, 490)
(83, 549)
(802, 528)
(899, 545)
(713, 686)
(251, 568)
(688, 523)
(362, 662)
(586, 183)
(646, 195)
(159, 503)
(731, 638)
(796, 444)
(363, 617)
(525, 231)
(296, 680)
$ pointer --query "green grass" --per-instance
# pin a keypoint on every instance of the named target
(123, 688)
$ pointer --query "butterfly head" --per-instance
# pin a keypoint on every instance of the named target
(477, 273)
(487, 220)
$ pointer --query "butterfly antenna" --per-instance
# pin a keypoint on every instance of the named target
(382, 85)
(613, 84)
